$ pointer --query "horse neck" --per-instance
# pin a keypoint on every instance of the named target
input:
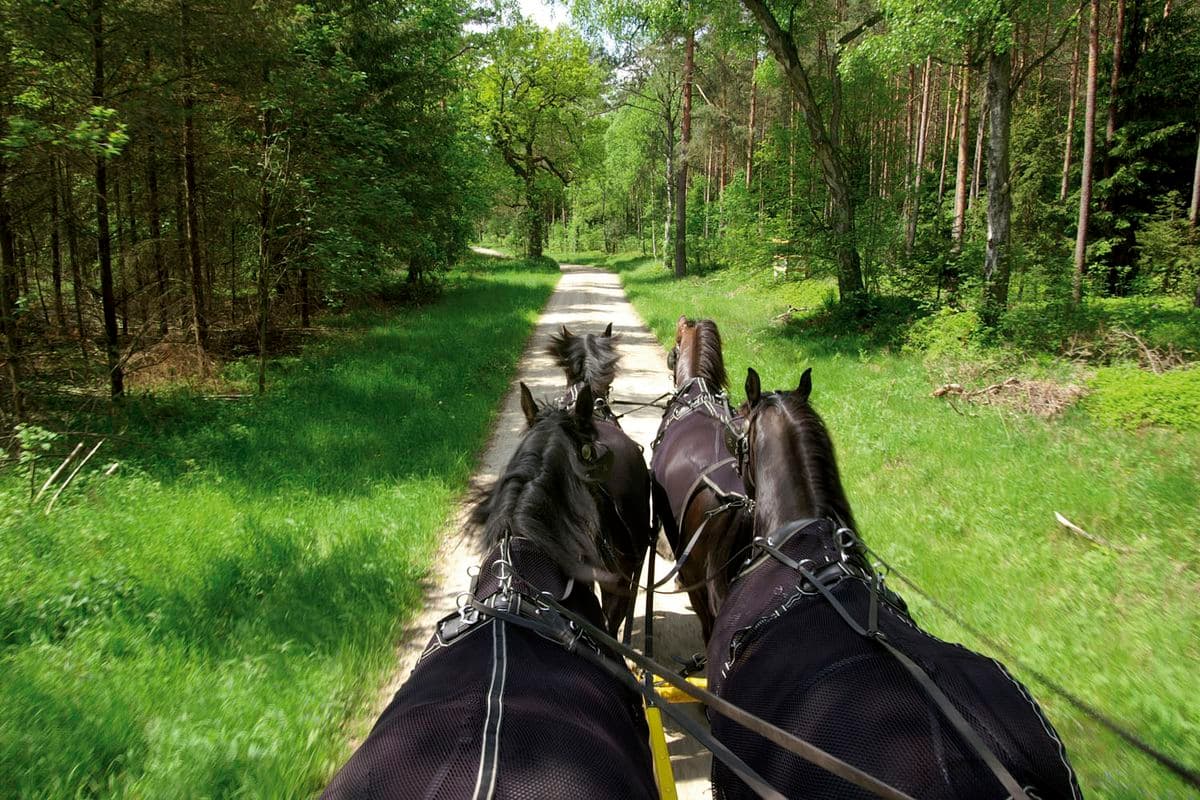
(793, 483)
(692, 365)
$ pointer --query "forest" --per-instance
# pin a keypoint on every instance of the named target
(248, 356)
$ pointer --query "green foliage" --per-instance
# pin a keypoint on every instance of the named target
(1133, 398)
(1168, 251)
(213, 620)
(1163, 323)
(947, 333)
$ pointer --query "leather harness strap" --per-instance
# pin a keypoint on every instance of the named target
(736, 501)
(872, 632)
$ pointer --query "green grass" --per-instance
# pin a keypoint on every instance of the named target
(215, 619)
(965, 505)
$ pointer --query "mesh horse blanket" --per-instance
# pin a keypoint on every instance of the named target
(780, 650)
(493, 710)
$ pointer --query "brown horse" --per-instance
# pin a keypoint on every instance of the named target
(810, 639)
(590, 360)
(698, 494)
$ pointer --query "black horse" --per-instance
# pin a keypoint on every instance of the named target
(493, 709)
(696, 487)
(591, 360)
(811, 640)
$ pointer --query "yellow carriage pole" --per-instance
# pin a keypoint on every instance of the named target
(663, 775)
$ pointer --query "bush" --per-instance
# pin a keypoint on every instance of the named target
(946, 333)
(1133, 398)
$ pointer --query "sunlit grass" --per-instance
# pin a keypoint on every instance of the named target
(207, 622)
(964, 503)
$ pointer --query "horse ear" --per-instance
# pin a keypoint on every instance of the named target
(680, 324)
(566, 333)
(608, 331)
(528, 405)
(805, 387)
(753, 387)
(584, 404)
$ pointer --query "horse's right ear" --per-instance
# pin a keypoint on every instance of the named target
(805, 387)
(753, 387)
(566, 333)
(528, 405)
(608, 331)
(585, 404)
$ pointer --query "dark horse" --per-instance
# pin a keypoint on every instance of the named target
(810, 639)
(591, 360)
(695, 482)
(493, 709)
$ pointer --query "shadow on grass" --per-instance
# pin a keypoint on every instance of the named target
(873, 324)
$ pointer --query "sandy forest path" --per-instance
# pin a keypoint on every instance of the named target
(585, 299)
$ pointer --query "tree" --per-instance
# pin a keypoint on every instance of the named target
(536, 98)
(1089, 153)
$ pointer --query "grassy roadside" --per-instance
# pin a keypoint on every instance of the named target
(964, 503)
(205, 623)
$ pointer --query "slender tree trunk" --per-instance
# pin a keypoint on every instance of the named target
(264, 237)
(103, 235)
(123, 251)
(56, 273)
(68, 197)
(977, 172)
(1089, 153)
(1194, 210)
(304, 298)
(919, 167)
(1073, 102)
(999, 212)
(131, 259)
(681, 166)
(182, 270)
(951, 124)
(8, 295)
(960, 172)
(750, 122)
(199, 316)
(850, 279)
(160, 267)
(1110, 128)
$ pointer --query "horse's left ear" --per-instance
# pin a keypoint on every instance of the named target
(566, 333)
(584, 404)
(528, 405)
(608, 331)
(805, 387)
(753, 387)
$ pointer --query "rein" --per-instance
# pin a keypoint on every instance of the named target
(547, 617)
(845, 544)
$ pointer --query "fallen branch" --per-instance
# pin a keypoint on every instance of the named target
(1091, 537)
(71, 477)
(58, 472)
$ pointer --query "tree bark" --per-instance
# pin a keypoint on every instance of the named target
(750, 122)
(996, 264)
(949, 124)
(850, 280)
(964, 153)
(264, 238)
(681, 162)
(1073, 102)
(1089, 154)
(103, 235)
(9, 298)
(1194, 211)
(155, 222)
(199, 316)
(1110, 128)
(56, 273)
(68, 198)
(919, 166)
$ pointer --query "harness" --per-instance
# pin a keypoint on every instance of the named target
(842, 556)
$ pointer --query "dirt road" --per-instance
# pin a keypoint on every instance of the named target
(586, 299)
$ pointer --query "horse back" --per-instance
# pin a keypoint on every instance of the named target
(557, 726)
(848, 696)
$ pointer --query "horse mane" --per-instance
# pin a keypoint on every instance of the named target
(588, 358)
(808, 441)
(546, 495)
(709, 358)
